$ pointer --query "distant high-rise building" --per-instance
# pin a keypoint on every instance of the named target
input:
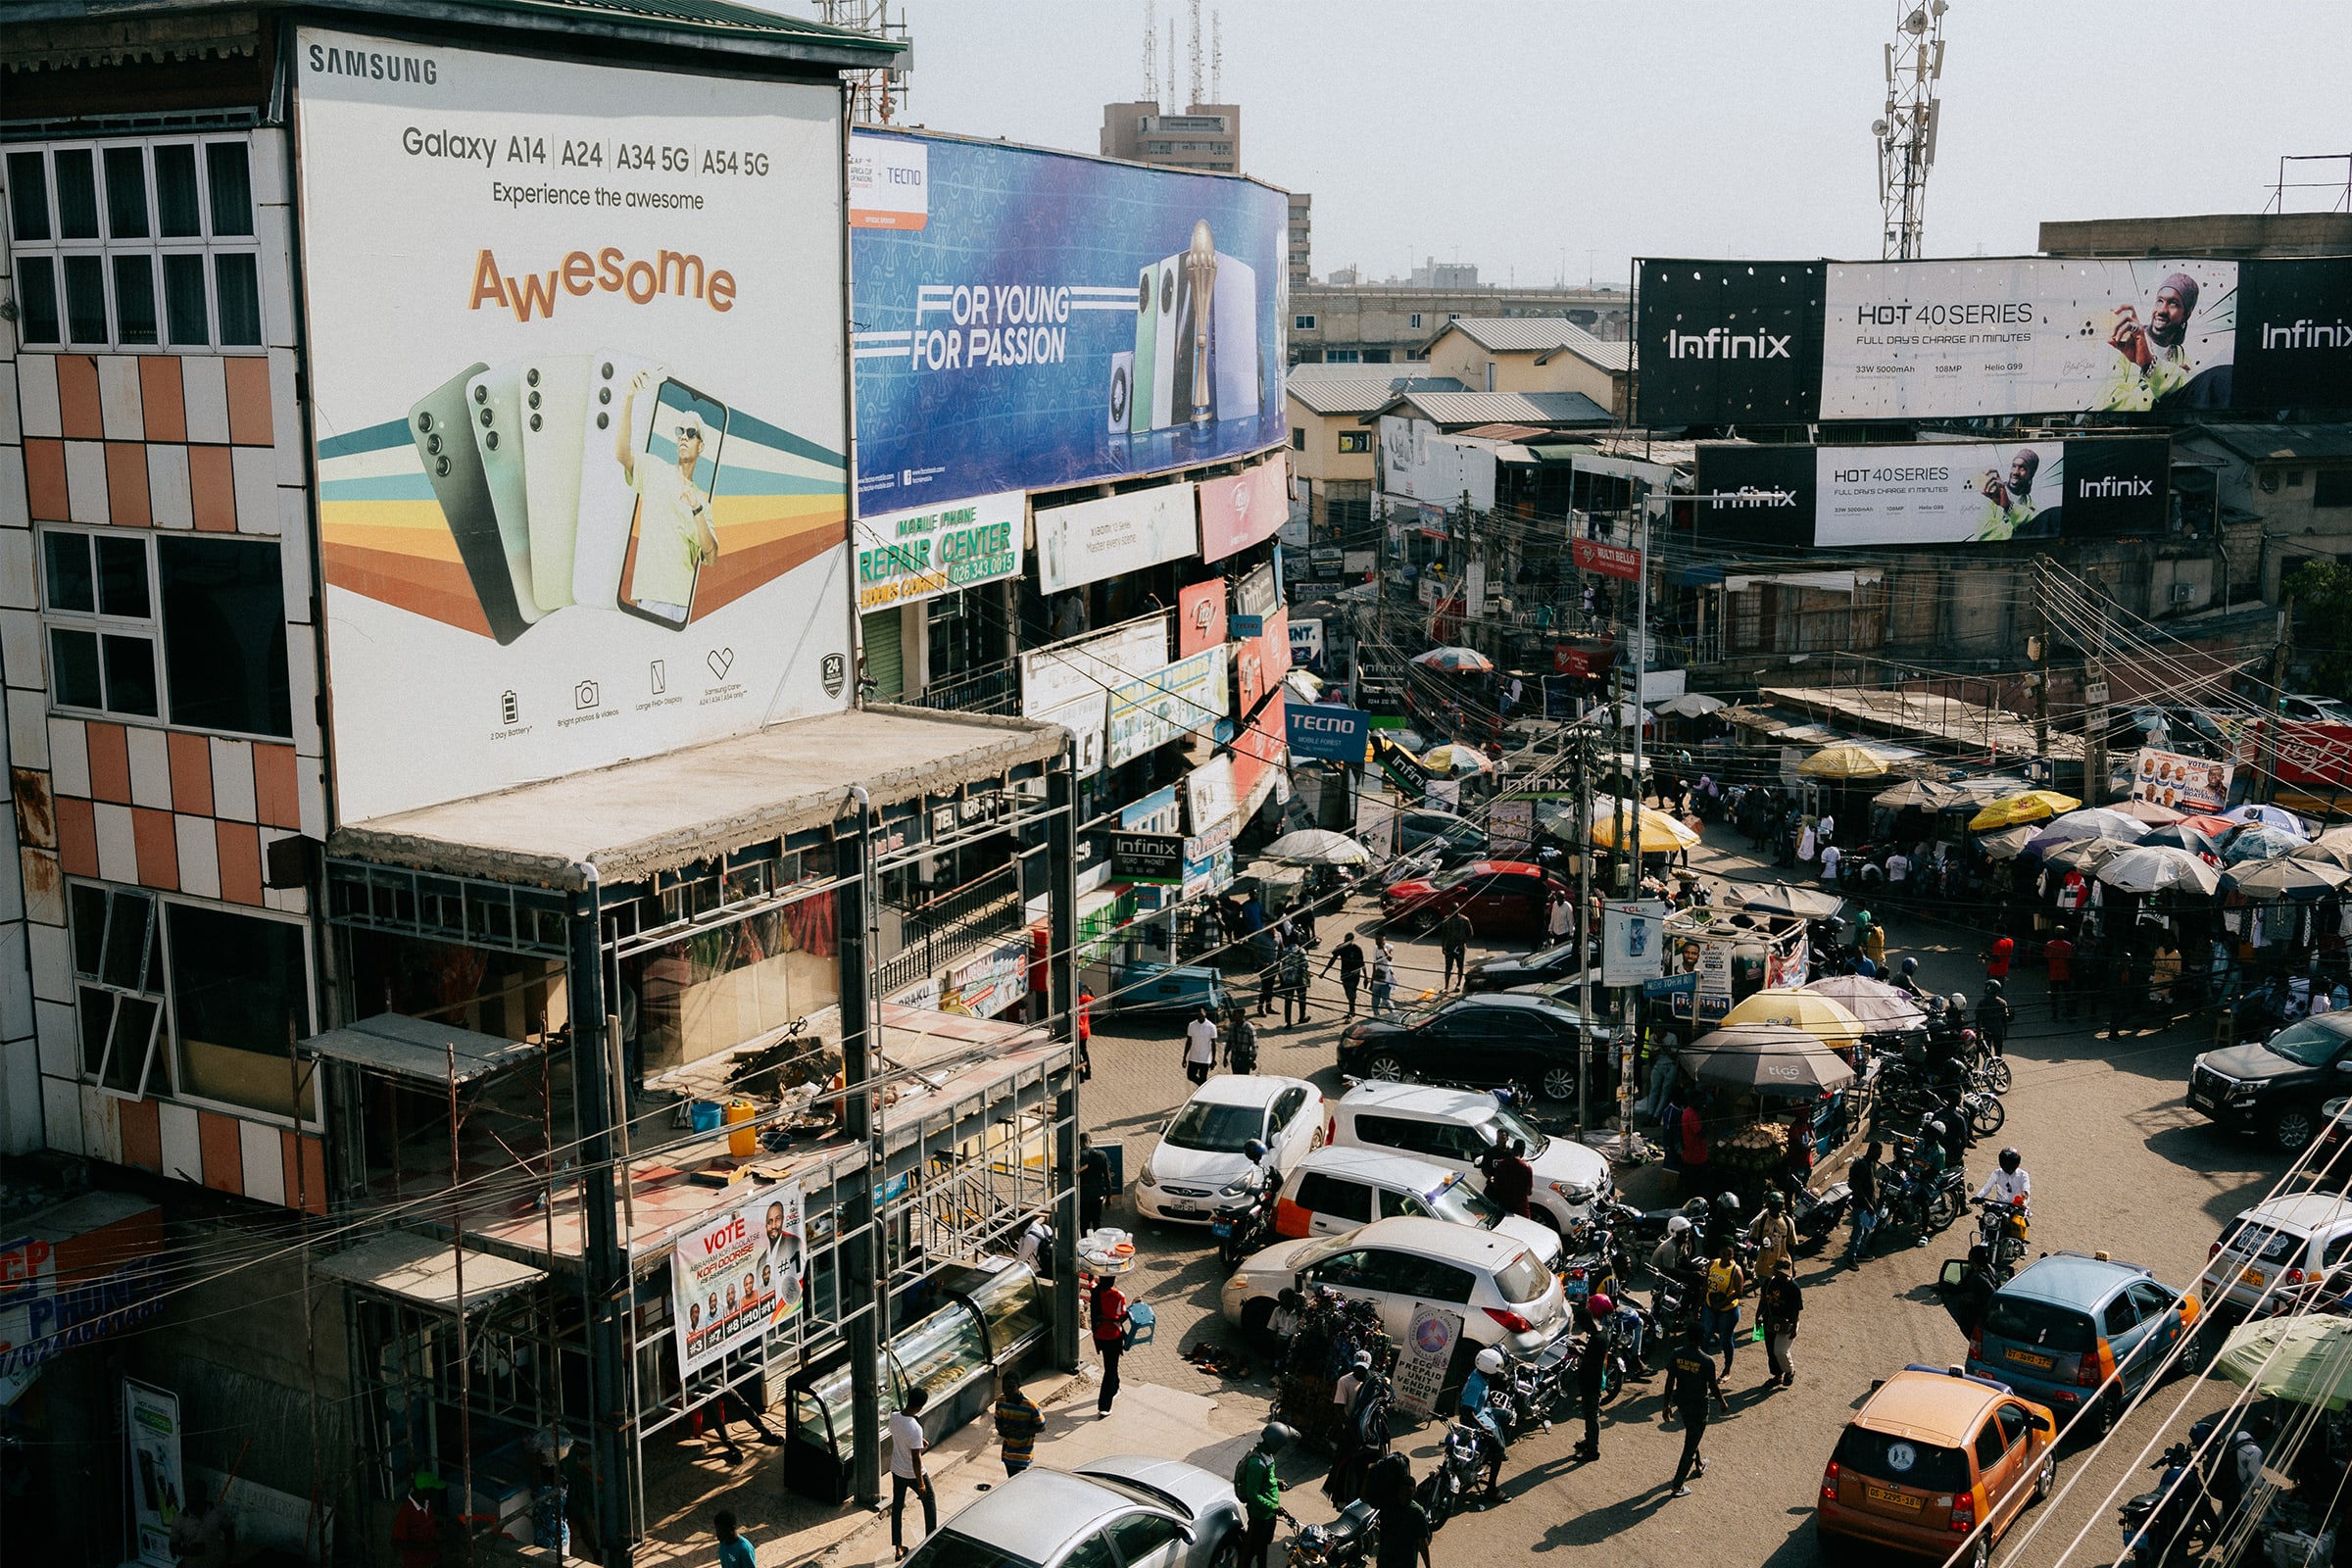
(1206, 138)
(1302, 235)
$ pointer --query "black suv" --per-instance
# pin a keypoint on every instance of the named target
(1509, 970)
(2277, 1087)
(1501, 1037)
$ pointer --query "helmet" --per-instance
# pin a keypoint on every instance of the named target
(1933, 1004)
(1254, 1150)
(1599, 1306)
(1959, 1003)
(1776, 1200)
(1992, 988)
(1676, 1225)
(1910, 965)
(1490, 1360)
(2011, 1160)
(1726, 1203)
(1363, 1361)
(1936, 1128)
(1695, 1208)
(1273, 1434)
(1968, 1036)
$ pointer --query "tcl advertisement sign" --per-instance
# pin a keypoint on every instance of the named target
(1237, 512)
(1728, 341)
(1199, 616)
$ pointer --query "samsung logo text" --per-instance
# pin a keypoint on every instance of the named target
(329, 61)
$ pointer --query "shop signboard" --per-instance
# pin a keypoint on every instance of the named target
(159, 1486)
(1199, 616)
(1243, 509)
(1210, 798)
(1157, 857)
(1511, 824)
(1420, 464)
(905, 556)
(1764, 494)
(579, 429)
(1089, 668)
(1306, 644)
(1709, 996)
(1186, 698)
(1632, 942)
(1403, 769)
(1082, 717)
(2191, 785)
(1610, 561)
(1965, 339)
(735, 1275)
(1728, 342)
(1092, 540)
(1030, 319)
(1428, 1352)
(1332, 734)
(995, 982)
(73, 1274)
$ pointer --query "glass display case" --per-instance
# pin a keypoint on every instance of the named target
(942, 1351)
(819, 1452)
(1007, 1295)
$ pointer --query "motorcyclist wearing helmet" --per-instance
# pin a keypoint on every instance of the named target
(1358, 1394)
(1676, 1257)
(1931, 1147)
(1774, 1233)
(1907, 979)
(1260, 1491)
(2008, 1184)
(1483, 1372)
(1591, 1371)
(1723, 1221)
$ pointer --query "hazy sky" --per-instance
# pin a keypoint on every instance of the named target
(1532, 139)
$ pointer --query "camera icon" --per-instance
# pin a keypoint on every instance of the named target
(585, 694)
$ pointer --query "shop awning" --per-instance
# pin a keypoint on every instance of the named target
(659, 813)
(415, 1268)
(413, 1048)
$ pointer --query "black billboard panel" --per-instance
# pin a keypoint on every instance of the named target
(2294, 334)
(1775, 493)
(1728, 342)
(2118, 486)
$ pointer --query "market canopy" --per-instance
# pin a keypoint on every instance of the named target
(2276, 816)
(1765, 1056)
(1452, 758)
(1919, 793)
(2149, 812)
(2303, 1359)
(1455, 660)
(1822, 1016)
(2141, 870)
(2026, 805)
(1691, 705)
(2261, 844)
(1317, 845)
(1657, 832)
(2081, 855)
(2008, 844)
(2275, 881)
(1845, 760)
(2092, 823)
(1783, 898)
(2332, 848)
(1881, 1007)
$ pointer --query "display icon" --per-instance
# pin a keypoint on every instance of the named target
(585, 694)
(660, 677)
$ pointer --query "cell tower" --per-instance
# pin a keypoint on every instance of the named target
(1194, 7)
(1171, 100)
(1152, 54)
(1906, 135)
(1216, 57)
(874, 95)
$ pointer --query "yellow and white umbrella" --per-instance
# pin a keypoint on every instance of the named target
(1657, 832)
(2026, 805)
(1844, 760)
(1825, 1019)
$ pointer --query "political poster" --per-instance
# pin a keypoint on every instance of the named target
(1427, 1356)
(907, 557)
(1728, 342)
(736, 1275)
(2191, 785)
(1632, 942)
(1961, 339)
(575, 376)
(159, 1486)
(1029, 320)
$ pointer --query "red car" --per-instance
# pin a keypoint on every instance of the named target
(1501, 897)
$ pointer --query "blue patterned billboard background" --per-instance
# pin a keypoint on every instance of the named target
(1024, 319)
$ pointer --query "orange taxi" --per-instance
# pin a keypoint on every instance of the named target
(1930, 1457)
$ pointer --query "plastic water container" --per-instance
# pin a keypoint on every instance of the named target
(704, 1115)
(743, 1142)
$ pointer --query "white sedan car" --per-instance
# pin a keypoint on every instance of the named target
(1504, 1295)
(1199, 1163)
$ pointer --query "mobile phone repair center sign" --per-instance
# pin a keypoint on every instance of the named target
(577, 355)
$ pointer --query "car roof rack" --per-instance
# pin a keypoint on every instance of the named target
(1957, 1372)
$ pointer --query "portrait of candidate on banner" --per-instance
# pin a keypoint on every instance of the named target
(781, 1263)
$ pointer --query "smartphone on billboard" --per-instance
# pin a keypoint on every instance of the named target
(440, 424)
(497, 423)
(555, 408)
(675, 475)
(1236, 372)
(607, 506)
(1144, 375)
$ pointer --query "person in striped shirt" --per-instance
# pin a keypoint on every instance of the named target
(1018, 1422)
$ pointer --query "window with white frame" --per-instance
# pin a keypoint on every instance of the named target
(1302, 323)
(135, 244)
(189, 630)
(217, 1022)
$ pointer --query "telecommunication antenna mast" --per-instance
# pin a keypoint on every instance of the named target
(1906, 135)
(1151, 52)
(1216, 57)
(874, 95)
(1194, 7)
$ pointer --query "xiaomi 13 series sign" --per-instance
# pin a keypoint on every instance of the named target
(576, 349)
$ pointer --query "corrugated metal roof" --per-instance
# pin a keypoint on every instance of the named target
(1617, 358)
(1456, 410)
(1336, 393)
(2261, 443)
(1540, 335)
(1504, 432)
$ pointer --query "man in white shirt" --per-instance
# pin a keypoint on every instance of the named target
(1831, 855)
(1898, 871)
(1199, 1046)
(1829, 828)
(2010, 1183)
(908, 1446)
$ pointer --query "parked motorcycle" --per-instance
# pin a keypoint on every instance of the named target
(1461, 1465)
(1347, 1542)
(2175, 1523)
(1818, 1217)
(2002, 1231)
(1539, 1386)
(1245, 1225)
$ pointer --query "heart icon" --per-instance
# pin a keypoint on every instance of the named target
(719, 659)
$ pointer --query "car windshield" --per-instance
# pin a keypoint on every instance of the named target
(2309, 1043)
(1508, 1120)
(2044, 1324)
(1461, 874)
(2260, 1243)
(948, 1550)
(1522, 1280)
(1465, 1204)
(1906, 1463)
(1544, 958)
(1316, 1252)
(1216, 1129)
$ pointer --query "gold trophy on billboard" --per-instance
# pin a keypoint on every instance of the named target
(1201, 276)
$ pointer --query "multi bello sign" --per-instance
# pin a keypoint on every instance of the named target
(1610, 561)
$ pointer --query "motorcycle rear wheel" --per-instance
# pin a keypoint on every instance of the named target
(1996, 1073)
(1986, 1115)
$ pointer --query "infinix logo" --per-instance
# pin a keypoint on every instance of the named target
(2306, 334)
(1750, 496)
(1717, 344)
(2084, 489)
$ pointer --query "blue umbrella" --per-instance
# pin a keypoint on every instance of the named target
(2262, 843)
(2276, 817)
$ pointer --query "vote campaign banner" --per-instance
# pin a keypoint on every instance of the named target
(1027, 320)
(736, 1275)
(2184, 783)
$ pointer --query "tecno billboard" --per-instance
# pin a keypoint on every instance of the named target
(1726, 342)
(576, 349)
(1935, 493)
(1030, 319)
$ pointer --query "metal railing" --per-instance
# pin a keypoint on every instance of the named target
(951, 926)
(994, 689)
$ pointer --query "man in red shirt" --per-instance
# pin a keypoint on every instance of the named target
(1110, 1338)
(1997, 958)
(1086, 1032)
(1513, 1181)
(415, 1527)
(2058, 953)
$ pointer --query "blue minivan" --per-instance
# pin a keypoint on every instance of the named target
(2068, 1321)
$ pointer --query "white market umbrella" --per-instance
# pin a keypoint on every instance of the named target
(1882, 1008)
(1456, 661)
(1317, 845)
(1691, 705)
(2142, 869)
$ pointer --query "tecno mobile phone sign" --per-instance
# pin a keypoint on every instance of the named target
(577, 360)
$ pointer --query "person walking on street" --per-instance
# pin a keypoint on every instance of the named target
(1269, 977)
(1349, 959)
(1403, 1532)
(1260, 1488)
(1719, 1315)
(416, 1526)
(1774, 1232)
(1691, 1382)
(2058, 958)
(1591, 1367)
(908, 1446)
(1086, 1033)
(1093, 1183)
(1384, 976)
(1779, 1302)
(1110, 1338)
(1992, 1018)
(1862, 1180)
(1873, 941)
(1018, 1422)
(734, 1550)
(1199, 1046)
(1997, 956)
(1453, 936)
(1294, 985)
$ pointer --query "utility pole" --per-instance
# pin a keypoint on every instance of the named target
(2037, 649)
(1583, 927)
(2279, 655)
(2094, 707)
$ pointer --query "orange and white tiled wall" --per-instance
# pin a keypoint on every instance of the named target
(145, 800)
